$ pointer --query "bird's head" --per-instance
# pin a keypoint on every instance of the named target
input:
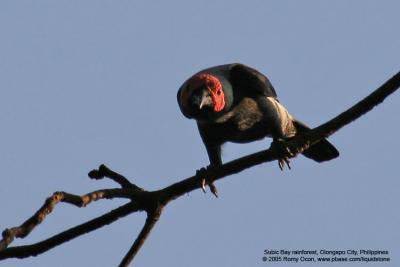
(201, 95)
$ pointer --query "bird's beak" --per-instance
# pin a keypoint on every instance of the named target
(202, 99)
(206, 100)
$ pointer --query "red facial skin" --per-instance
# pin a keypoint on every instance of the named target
(212, 84)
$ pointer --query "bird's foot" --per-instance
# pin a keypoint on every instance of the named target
(283, 152)
(207, 178)
(282, 162)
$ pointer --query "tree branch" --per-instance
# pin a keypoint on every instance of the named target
(104, 171)
(45, 245)
(153, 202)
(151, 221)
(80, 201)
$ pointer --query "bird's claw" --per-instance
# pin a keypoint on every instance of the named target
(282, 162)
(203, 185)
(213, 189)
(206, 179)
(284, 152)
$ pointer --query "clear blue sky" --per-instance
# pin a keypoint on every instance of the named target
(90, 82)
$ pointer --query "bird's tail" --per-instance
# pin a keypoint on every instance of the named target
(321, 151)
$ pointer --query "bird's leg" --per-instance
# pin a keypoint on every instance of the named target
(283, 151)
(206, 175)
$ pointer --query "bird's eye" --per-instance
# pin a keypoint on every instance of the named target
(219, 92)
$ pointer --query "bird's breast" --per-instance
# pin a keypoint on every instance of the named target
(244, 123)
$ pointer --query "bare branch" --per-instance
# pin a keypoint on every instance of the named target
(104, 171)
(151, 220)
(91, 225)
(368, 103)
(80, 201)
(143, 200)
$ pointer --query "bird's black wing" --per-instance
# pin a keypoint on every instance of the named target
(249, 80)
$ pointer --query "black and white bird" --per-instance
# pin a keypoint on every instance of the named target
(236, 103)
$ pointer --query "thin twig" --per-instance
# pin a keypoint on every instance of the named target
(103, 171)
(151, 220)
